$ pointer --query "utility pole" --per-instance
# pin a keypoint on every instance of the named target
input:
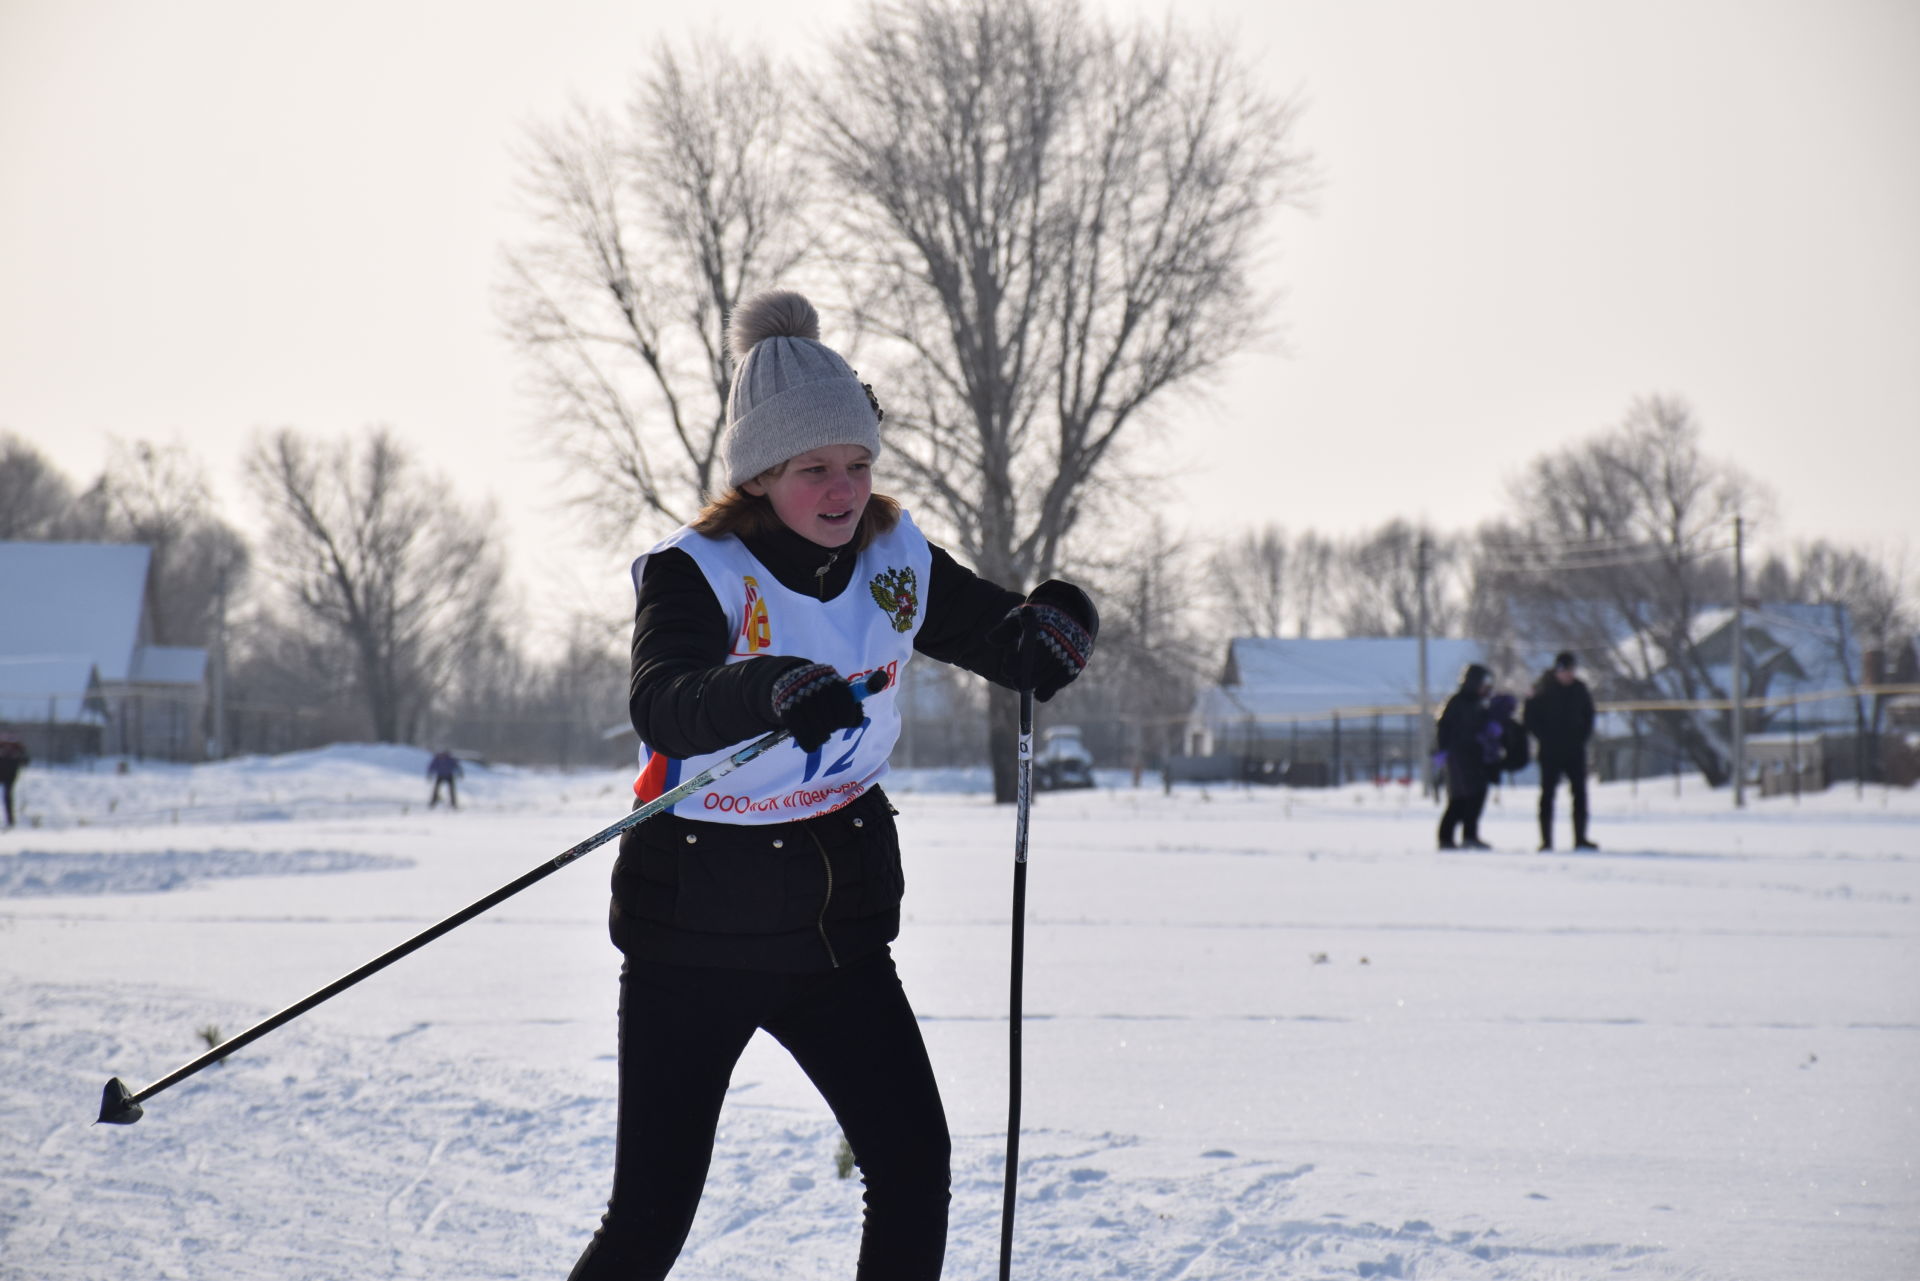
(1739, 665)
(1426, 697)
(219, 749)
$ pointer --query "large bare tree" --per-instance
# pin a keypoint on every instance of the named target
(1057, 222)
(1621, 545)
(380, 559)
(651, 228)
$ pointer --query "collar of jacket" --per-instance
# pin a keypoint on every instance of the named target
(803, 565)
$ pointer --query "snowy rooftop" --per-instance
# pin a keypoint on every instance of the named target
(1279, 677)
(47, 688)
(169, 665)
(73, 598)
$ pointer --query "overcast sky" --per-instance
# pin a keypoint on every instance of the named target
(221, 215)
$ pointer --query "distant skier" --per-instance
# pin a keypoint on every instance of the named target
(13, 759)
(770, 903)
(443, 768)
(1560, 715)
(1460, 725)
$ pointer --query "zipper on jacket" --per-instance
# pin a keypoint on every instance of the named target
(820, 922)
(820, 574)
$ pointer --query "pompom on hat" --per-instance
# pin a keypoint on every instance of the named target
(791, 392)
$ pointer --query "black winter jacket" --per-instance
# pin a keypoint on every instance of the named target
(1458, 730)
(1559, 716)
(787, 897)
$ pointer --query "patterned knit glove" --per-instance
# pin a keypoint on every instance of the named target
(1050, 636)
(813, 701)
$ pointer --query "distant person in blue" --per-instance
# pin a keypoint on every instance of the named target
(1460, 726)
(443, 768)
(13, 759)
(1559, 715)
(1503, 746)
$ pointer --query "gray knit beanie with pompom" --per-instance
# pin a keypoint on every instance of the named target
(791, 392)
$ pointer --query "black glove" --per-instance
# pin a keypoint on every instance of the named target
(1050, 635)
(813, 701)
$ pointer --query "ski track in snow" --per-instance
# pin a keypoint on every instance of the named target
(33, 873)
(317, 1157)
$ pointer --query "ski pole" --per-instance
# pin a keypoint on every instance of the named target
(1023, 809)
(119, 1107)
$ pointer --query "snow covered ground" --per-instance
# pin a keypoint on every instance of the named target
(1270, 1034)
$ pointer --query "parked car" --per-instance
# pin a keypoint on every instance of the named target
(1062, 760)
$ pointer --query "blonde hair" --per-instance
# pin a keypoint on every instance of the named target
(750, 515)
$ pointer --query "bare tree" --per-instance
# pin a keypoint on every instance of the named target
(1311, 574)
(157, 495)
(1058, 223)
(1873, 589)
(1152, 656)
(1382, 575)
(651, 229)
(286, 685)
(554, 709)
(383, 560)
(1249, 580)
(1265, 582)
(1622, 543)
(34, 495)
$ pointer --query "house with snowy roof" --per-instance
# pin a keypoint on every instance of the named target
(79, 672)
(1898, 667)
(1320, 712)
(1806, 717)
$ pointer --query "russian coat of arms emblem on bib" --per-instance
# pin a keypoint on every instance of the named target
(894, 591)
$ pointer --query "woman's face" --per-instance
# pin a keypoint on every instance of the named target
(821, 493)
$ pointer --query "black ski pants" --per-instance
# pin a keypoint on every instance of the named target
(851, 1030)
(453, 795)
(1573, 767)
(1466, 798)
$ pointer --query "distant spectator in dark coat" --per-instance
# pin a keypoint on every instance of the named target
(13, 759)
(443, 768)
(1459, 727)
(1559, 715)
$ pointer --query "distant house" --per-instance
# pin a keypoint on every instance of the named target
(1315, 712)
(53, 705)
(78, 667)
(1898, 667)
(1793, 651)
(1805, 718)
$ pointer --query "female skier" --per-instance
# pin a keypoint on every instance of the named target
(769, 901)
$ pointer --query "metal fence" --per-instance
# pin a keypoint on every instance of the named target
(1798, 741)
(1795, 742)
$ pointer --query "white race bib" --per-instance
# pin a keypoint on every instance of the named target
(868, 627)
